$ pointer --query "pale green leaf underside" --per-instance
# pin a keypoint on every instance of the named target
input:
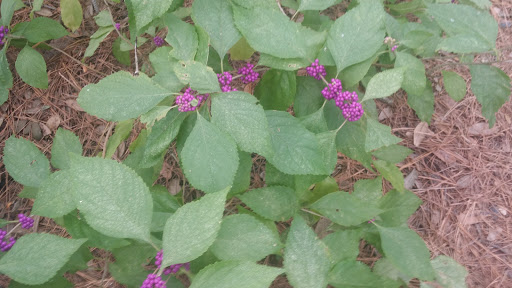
(64, 142)
(56, 196)
(454, 84)
(24, 162)
(384, 84)
(449, 273)
(31, 67)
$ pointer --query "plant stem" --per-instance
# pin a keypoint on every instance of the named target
(311, 212)
(339, 128)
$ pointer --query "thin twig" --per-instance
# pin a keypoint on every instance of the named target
(280, 7)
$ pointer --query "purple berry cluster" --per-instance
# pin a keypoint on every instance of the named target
(3, 33)
(316, 70)
(332, 90)
(6, 245)
(188, 102)
(118, 26)
(394, 48)
(350, 108)
(153, 281)
(173, 269)
(225, 81)
(26, 222)
(158, 41)
(248, 74)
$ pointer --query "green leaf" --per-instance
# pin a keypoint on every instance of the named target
(213, 166)
(122, 131)
(407, 251)
(287, 64)
(78, 228)
(164, 205)
(40, 29)
(315, 4)
(305, 257)
(56, 196)
(351, 75)
(243, 174)
(103, 19)
(449, 273)
(6, 80)
(342, 245)
(215, 63)
(481, 4)
(112, 197)
(345, 209)
(234, 274)
(24, 162)
(182, 37)
(398, 207)
(71, 13)
(41, 254)
(216, 17)
(385, 268)
(28, 192)
(322, 188)
(243, 237)
(277, 203)
(308, 98)
(467, 26)
(423, 104)
(96, 39)
(122, 56)
(239, 115)
(414, 76)
(56, 282)
(146, 11)
(378, 135)
(384, 84)
(392, 153)
(161, 136)
(454, 84)
(163, 64)
(296, 150)
(242, 51)
(193, 228)
(391, 173)
(128, 268)
(276, 90)
(31, 67)
(315, 122)
(327, 141)
(357, 35)
(368, 190)
(353, 273)
(121, 96)
(199, 76)
(491, 87)
(203, 46)
(7, 10)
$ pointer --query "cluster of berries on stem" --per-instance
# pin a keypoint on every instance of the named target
(5, 245)
(188, 102)
(153, 281)
(173, 269)
(26, 222)
(158, 41)
(225, 81)
(345, 100)
(247, 73)
(3, 33)
(118, 26)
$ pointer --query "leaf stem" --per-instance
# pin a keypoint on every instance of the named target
(339, 128)
(311, 212)
(12, 229)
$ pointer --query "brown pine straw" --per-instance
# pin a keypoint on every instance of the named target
(465, 178)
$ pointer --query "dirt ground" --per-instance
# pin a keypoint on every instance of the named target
(460, 169)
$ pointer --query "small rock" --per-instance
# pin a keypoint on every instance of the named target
(19, 125)
(36, 131)
(26, 130)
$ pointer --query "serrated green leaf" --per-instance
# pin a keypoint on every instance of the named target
(317, 21)
(385, 268)
(216, 17)
(103, 19)
(161, 136)
(384, 84)
(40, 29)
(28, 192)
(24, 162)
(414, 76)
(56, 282)
(315, 4)
(315, 122)
(286, 64)
(146, 11)
(6, 80)
(121, 96)
(391, 173)
(148, 175)
(128, 268)
(378, 135)
(193, 228)
(163, 64)
(423, 104)
(96, 40)
(353, 273)
(7, 10)
(398, 207)
(449, 273)
(78, 228)
(491, 87)
(277, 203)
(234, 274)
(242, 51)
(56, 196)
(345, 40)
(276, 90)
(368, 190)
(112, 197)
(122, 132)
(243, 237)
(182, 37)
(351, 75)
(243, 174)
(41, 254)
(215, 63)
(308, 98)
(239, 115)
(203, 46)
(407, 251)
(454, 84)
(209, 157)
(71, 13)
(392, 153)
(345, 209)
(199, 76)
(296, 150)
(31, 67)
(342, 245)
(305, 257)
(327, 142)
(122, 56)
(322, 188)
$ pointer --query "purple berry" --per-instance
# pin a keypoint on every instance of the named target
(26, 222)
(332, 90)
(3, 33)
(153, 281)
(248, 74)
(224, 80)
(394, 48)
(6, 245)
(350, 108)
(118, 26)
(188, 102)
(158, 258)
(316, 70)
(158, 41)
